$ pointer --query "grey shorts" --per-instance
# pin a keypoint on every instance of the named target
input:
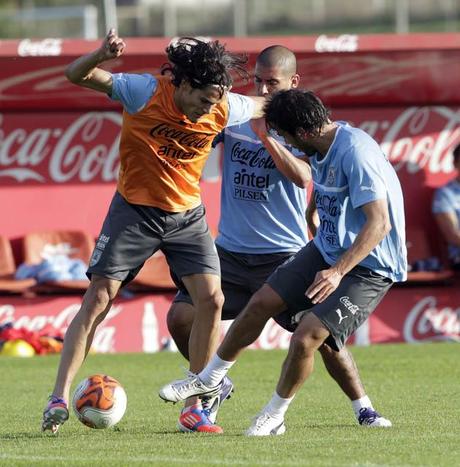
(242, 275)
(356, 297)
(132, 233)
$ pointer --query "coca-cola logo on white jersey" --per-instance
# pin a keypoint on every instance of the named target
(84, 150)
(427, 322)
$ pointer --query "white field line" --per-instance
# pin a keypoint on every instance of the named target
(163, 459)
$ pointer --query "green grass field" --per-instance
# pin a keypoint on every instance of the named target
(416, 386)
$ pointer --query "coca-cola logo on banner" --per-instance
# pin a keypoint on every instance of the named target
(44, 47)
(342, 43)
(82, 148)
(104, 338)
(426, 321)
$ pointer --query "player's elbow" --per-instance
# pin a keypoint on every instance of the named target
(303, 183)
(384, 227)
(72, 76)
(303, 180)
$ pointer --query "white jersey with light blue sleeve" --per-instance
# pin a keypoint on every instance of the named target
(447, 200)
(355, 172)
(262, 211)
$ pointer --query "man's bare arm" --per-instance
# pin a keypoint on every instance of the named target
(375, 229)
(296, 169)
(311, 215)
(84, 70)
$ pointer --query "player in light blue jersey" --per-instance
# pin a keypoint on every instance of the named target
(446, 210)
(329, 288)
(262, 225)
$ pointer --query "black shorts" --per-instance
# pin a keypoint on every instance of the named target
(242, 275)
(356, 297)
(132, 233)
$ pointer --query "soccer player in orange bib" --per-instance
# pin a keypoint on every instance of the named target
(169, 123)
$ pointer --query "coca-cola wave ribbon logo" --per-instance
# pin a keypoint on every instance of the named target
(82, 149)
(427, 321)
(418, 138)
(44, 47)
(104, 338)
(342, 43)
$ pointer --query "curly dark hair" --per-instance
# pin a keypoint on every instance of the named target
(203, 63)
(296, 108)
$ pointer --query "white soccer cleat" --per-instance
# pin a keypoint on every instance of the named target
(371, 418)
(211, 404)
(266, 425)
(182, 389)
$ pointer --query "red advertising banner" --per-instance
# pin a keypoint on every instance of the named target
(75, 156)
(132, 325)
(345, 70)
(415, 314)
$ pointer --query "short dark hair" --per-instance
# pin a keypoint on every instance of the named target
(279, 56)
(456, 153)
(203, 63)
(295, 108)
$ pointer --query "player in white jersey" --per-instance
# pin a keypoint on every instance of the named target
(262, 224)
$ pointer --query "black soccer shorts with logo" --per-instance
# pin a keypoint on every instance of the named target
(356, 297)
(132, 233)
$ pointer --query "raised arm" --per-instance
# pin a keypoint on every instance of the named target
(84, 72)
(374, 230)
(296, 169)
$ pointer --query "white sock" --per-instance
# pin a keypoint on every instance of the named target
(278, 406)
(213, 373)
(360, 403)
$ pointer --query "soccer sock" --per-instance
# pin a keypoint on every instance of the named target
(277, 406)
(213, 373)
(358, 404)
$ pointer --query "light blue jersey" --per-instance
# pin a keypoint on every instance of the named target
(355, 172)
(447, 199)
(134, 91)
(262, 211)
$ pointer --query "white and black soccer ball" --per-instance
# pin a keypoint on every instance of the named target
(99, 401)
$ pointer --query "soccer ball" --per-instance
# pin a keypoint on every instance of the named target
(99, 401)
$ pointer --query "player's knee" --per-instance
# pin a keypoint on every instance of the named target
(261, 305)
(307, 341)
(101, 292)
(211, 303)
(302, 346)
(179, 317)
